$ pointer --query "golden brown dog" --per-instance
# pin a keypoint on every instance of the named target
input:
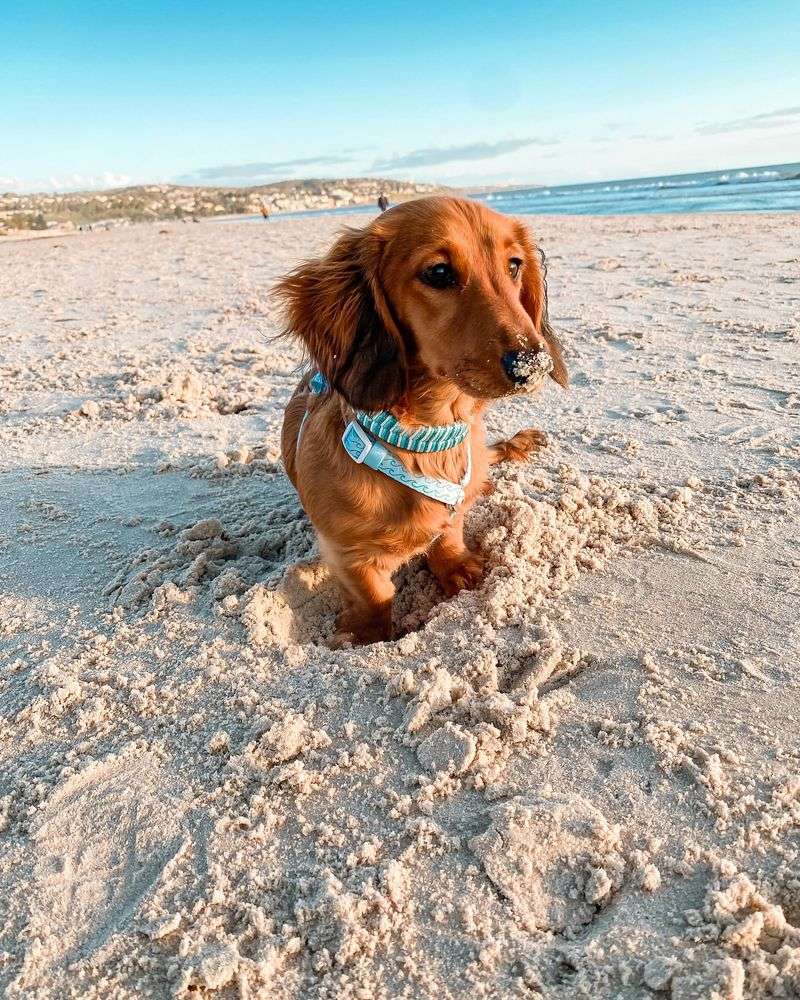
(431, 311)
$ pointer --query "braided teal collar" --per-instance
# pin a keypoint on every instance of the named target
(385, 426)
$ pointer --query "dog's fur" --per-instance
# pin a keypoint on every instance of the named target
(385, 340)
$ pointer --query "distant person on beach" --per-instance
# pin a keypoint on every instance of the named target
(264, 212)
(383, 202)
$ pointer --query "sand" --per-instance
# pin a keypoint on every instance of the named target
(581, 780)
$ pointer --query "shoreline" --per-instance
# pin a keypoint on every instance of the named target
(763, 188)
(23, 236)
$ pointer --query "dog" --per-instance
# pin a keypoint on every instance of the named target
(425, 316)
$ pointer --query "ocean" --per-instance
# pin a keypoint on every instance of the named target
(751, 189)
(748, 189)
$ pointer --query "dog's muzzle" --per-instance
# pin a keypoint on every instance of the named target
(527, 367)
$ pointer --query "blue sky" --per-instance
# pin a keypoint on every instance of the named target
(102, 93)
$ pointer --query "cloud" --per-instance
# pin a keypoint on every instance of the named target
(767, 119)
(619, 140)
(73, 182)
(651, 137)
(255, 172)
(451, 154)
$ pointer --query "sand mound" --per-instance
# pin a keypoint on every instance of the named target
(538, 534)
(556, 858)
(743, 943)
(214, 561)
(478, 662)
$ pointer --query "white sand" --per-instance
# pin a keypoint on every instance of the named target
(582, 780)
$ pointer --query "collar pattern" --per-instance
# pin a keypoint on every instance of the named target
(387, 428)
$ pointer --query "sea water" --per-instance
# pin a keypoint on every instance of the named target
(749, 189)
(753, 189)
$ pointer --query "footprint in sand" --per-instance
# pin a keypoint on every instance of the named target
(106, 839)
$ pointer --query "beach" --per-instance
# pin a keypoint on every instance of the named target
(580, 780)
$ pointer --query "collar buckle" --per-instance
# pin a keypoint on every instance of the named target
(357, 442)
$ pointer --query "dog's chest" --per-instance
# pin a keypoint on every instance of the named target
(425, 523)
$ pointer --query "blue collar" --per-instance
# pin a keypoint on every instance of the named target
(365, 450)
(386, 426)
(426, 439)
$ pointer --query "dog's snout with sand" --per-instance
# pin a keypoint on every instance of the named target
(527, 368)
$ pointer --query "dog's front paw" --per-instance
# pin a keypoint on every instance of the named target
(524, 443)
(341, 640)
(365, 637)
(361, 629)
(463, 575)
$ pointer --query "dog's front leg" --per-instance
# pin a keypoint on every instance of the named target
(454, 565)
(367, 593)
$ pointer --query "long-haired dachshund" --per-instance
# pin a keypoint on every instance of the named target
(413, 325)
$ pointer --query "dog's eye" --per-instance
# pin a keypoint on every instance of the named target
(514, 267)
(439, 276)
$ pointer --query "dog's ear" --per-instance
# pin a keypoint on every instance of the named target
(337, 307)
(533, 296)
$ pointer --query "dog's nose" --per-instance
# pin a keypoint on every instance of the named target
(523, 367)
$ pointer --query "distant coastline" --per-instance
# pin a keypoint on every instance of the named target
(768, 188)
(162, 202)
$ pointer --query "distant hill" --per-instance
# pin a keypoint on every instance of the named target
(122, 206)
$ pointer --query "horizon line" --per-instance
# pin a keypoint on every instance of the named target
(515, 186)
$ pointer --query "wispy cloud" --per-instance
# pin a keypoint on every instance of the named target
(451, 154)
(252, 173)
(651, 137)
(620, 138)
(767, 119)
(73, 182)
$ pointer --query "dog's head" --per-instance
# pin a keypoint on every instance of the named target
(441, 286)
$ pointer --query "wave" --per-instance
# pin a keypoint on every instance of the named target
(759, 189)
(609, 190)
